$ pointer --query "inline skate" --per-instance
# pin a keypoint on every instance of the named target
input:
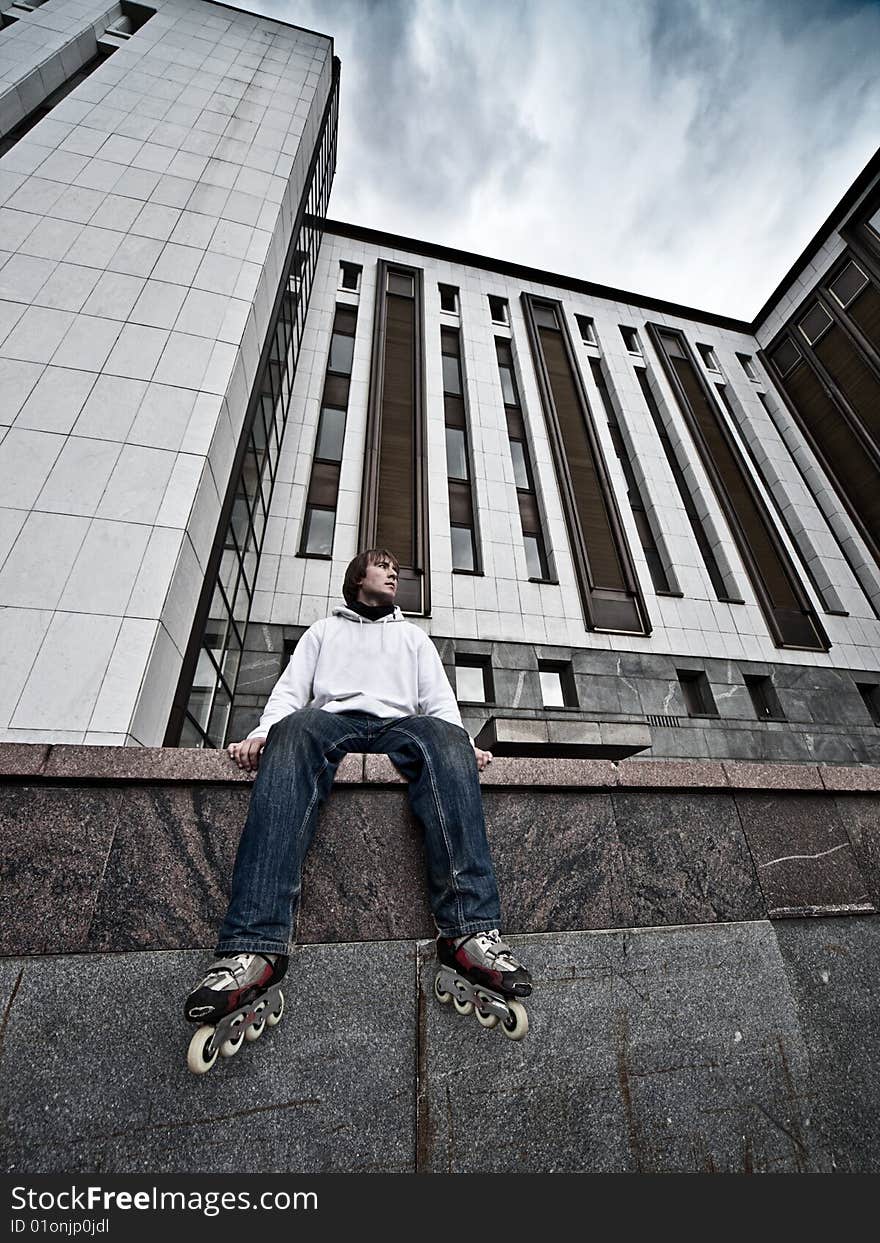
(237, 999)
(480, 974)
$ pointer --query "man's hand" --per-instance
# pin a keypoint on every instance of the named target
(247, 754)
(482, 757)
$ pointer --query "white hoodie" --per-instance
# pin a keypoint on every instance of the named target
(347, 663)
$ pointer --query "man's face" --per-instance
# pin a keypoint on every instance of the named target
(379, 584)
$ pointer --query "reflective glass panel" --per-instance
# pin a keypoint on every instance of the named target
(456, 454)
(520, 470)
(341, 353)
(319, 535)
(462, 548)
(470, 685)
(331, 433)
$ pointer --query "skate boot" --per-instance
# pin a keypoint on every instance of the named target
(480, 973)
(234, 1002)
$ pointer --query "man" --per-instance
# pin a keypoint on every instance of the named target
(363, 679)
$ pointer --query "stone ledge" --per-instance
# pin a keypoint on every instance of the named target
(179, 765)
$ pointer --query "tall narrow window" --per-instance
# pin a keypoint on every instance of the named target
(709, 559)
(320, 515)
(763, 696)
(448, 298)
(587, 329)
(606, 577)
(350, 276)
(558, 687)
(643, 524)
(631, 341)
(790, 616)
(697, 692)
(498, 309)
(529, 512)
(870, 693)
(459, 474)
(394, 501)
(473, 679)
(780, 512)
(748, 366)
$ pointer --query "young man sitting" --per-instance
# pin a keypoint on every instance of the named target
(366, 680)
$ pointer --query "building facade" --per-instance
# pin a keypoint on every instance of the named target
(629, 526)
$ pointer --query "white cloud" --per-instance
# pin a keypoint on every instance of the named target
(678, 148)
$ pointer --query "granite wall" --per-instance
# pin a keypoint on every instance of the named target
(690, 1011)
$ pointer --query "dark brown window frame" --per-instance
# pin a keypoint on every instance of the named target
(753, 569)
(369, 493)
(808, 358)
(453, 481)
(590, 595)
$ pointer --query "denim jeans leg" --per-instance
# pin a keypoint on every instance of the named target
(437, 760)
(295, 776)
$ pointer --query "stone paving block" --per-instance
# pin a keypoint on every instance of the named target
(331, 1088)
(54, 844)
(804, 857)
(655, 1050)
(832, 970)
(684, 859)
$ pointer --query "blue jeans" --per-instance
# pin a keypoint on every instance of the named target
(295, 776)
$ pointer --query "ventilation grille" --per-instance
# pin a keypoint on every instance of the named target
(670, 722)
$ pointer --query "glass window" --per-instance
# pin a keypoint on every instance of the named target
(709, 357)
(448, 298)
(849, 284)
(462, 548)
(520, 469)
(763, 697)
(815, 323)
(331, 434)
(551, 688)
(341, 353)
(508, 386)
(545, 315)
(697, 694)
(349, 276)
(748, 366)
(535, 557)
(631, 340)
(456, 453)
(587, 329)
(451, 375)
(786, 355)
(400, 283)
(319, 531)
(498, 310)
(874, 222)
(870, 693)
(470, 683)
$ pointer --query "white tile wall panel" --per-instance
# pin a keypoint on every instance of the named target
(128, 217)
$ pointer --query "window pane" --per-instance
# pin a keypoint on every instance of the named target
(341, 353)
(508, 387)
(448, 298)
(470, 685)
(400, 282)
(462, 548)
(498, 309)
(319, 534)
(456, 454)
(331, 433)
(551, 689)
(520, 470)
(451, 374)
(533, 557)
(545, 316)
(851, 281)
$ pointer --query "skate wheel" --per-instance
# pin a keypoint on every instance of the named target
(197, 1058)
(231, 1046)
(517, 1024)
(440, 992)
(487, 1020)
(463, 1007)
(255, 1031)
(275, 1017)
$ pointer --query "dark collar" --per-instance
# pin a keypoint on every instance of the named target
(372, 612)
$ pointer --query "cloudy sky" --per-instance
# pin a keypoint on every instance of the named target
(687, 149)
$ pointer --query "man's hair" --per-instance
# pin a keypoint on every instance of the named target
(358, 568)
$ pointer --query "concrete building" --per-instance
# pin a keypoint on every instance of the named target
(644, 537)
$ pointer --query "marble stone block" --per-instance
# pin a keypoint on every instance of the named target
(803, 855)
(685, 859)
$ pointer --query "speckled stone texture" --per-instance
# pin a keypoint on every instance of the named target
(861, 817)
(684, 859)
(94, 1063)
(54, 845)
(832, 967)
(648, 1051)
(804, 857)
